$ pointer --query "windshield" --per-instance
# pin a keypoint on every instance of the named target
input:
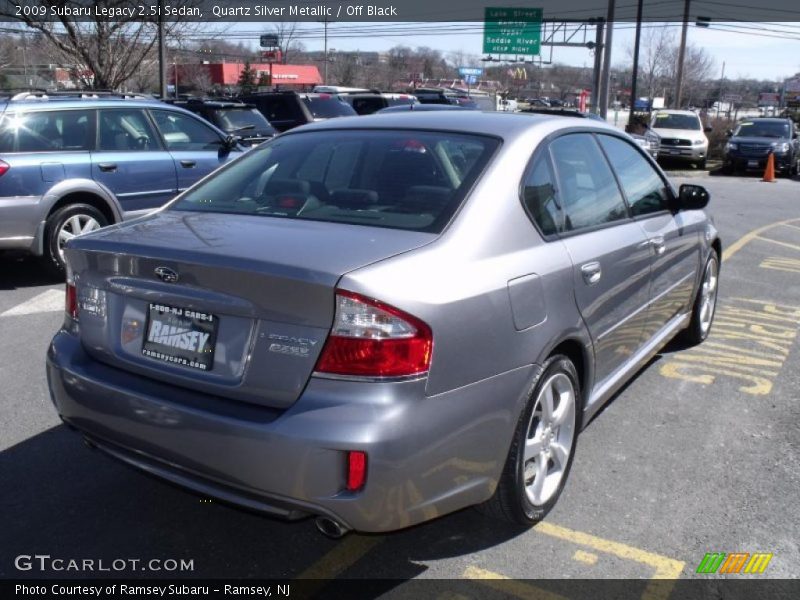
(774, 129)
(328, 107)
(411, 180)
(232, 119)
(673, 121)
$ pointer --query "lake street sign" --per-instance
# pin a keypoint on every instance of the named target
(470, 71)
(512, 31)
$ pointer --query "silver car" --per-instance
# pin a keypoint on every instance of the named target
(378, 321)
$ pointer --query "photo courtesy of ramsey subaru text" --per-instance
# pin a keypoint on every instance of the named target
(348, 319)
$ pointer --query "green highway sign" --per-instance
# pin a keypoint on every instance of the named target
(512, 31)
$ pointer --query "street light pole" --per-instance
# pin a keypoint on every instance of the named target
(635, 74)
(682, 55)
(162, 65)
(607, 59)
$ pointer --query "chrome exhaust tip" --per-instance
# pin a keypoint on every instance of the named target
(330, 527)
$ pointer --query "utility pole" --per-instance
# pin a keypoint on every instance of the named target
(162, 65)
(635, 73)
(325, 67)
(598, 61)
(607, 60)
(681, 55)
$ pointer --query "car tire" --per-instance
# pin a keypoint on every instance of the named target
(705, 303)
(701, 165)
(65, 223)
(728, 169)
(543, 446)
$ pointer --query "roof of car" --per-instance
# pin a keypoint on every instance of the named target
(673, 111)
(57, 102)
(503, 124)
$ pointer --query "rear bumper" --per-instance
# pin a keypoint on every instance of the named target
(427, 456)
(21, 223)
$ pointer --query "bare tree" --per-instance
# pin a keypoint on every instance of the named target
(196, 77)
(105, 53)
(345, 68)
(288, 43)
(655, 53)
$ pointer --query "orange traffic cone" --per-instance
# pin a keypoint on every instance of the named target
(769, 172)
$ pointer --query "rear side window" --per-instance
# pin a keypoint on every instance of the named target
(588, 190)
(184, 132)
(46, 131)
(539, 197)
(367, 106)
(645, 190)
(410, 180)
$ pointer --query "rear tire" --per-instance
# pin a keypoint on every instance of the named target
(543, 447)
(64, 224)
(705, 304)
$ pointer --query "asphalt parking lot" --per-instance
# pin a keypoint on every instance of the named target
(698, 454)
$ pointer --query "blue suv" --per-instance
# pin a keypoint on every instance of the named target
(71, 163)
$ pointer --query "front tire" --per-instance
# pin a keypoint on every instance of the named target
(66, 223)
(705, 304)
(543, 448)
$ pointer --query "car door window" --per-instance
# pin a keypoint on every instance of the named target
(644, 189)
(184, 132)
(588, 190)
(125, 130)
(539, 197)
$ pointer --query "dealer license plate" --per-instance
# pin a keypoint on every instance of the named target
(180, 336)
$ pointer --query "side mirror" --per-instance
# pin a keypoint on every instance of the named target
(708, 129)
(692, 197)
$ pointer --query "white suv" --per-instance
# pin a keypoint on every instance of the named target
(682, 136)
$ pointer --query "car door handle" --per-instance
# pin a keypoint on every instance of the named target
(658, 245)
(188, 164)
(107, 167)
(591, 272)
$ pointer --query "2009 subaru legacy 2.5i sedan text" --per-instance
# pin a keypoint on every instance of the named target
(381, 320)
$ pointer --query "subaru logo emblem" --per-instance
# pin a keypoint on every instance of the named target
(166, 274)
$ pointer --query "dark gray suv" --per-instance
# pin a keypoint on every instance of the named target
(381, 320)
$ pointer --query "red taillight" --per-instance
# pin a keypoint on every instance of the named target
(356, 470)
(4, 167)
(372, 339)
(71, 301)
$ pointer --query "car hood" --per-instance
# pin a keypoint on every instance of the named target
(689, 134)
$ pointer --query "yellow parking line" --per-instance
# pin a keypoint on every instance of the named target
(346, 553)
(510, 586)
(749, 237)
(586, 558)
(784, 244)
(666, 568)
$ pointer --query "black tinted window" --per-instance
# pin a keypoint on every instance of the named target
(41, 131)
(539, 197)
(400, 179)
(328, 107)
(588, 191)
(645, 190)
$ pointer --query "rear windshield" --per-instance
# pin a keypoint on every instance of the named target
(242, 121)
(776, 129)
(672, 121)
(328, 107)
(410, 180)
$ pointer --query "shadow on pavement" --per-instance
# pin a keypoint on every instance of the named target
(25, 271)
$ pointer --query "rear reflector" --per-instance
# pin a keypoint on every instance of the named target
(372, 339)
(356, 470)
(4, 167)
(71, 301)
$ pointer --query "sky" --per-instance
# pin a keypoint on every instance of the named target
(747, 52)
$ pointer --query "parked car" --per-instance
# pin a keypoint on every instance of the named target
(382, 320)
(419, 107)
(72, 163)
(755, 139)
(234, 118)
(366, 104)
(287, 110)
(435, 96)
(682, 136)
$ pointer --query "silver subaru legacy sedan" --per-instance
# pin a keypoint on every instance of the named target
(378, 321)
